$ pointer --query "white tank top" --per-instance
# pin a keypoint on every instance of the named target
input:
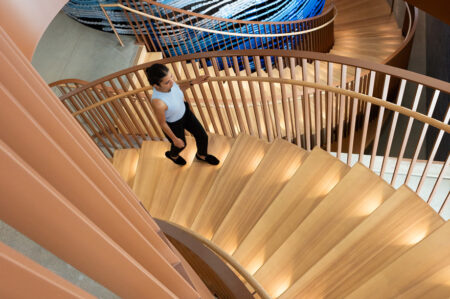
(174, 99)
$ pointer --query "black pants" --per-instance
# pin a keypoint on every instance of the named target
(190, 123)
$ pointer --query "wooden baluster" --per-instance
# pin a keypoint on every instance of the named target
(170, 33)
(194, 93)
(284, 102)
(140, 119)
(330, 105)
(233, 96)
(438, 182)
(154, 32)
(253, 97)
(224, 98)
(205, 97)
(341, 110)
(295, 99)
(146, 27)
(93, 114)
(306, 108)
(318, 108)
(265, 106)
(436, 145)
(243, 97)
(379, 122)
(117, 115)
(139, 25)
(393, 127)
(198, 43)
(353, 116)
(107, 115)
(146, 106)
(406, 135)
(133, 126)
(215, 99)
(268, 61)
(180, 30)
(138, 38)
(163, 33)
(366, 117)
(88, 123)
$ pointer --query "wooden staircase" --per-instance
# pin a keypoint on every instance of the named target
(305, 225)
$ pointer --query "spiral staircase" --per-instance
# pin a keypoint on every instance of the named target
(304, 224)
(293, 216)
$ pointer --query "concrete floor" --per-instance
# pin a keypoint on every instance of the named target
(69, 49)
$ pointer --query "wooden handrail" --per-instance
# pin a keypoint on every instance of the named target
(393, 107)
(220, 32)
(186, 12)
(66, 81)
(379, 68)
(229, 259)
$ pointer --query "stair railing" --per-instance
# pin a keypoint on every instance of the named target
(175, 31)
(338, 116)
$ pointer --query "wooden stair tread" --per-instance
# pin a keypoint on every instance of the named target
(125, 161)
(244, 157)
(170, 181)
(422, 272)
(276, 168)
(198, 181)
(146, 180)
(317, 175)
(358, 194)
(379, 240)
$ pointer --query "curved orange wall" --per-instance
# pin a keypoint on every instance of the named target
(26, 20)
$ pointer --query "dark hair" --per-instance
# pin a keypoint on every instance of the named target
(155, 73)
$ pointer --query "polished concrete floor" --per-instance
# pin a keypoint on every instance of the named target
(69, 49)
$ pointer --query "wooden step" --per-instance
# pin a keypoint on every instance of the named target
(170, 181)
(243, 159)
(356, 196)
(422, 272)
(276, 168)
(199, 180)
(125, 161)
(151, 160)
(317, 175)
(385, 235)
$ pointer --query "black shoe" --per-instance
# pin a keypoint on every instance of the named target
(210, 159)
(178, 160)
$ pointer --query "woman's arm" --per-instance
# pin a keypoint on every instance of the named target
(185, 85)
(160, 107)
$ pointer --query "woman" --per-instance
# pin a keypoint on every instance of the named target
(174, 115)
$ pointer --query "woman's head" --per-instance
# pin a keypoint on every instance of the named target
(160, 76)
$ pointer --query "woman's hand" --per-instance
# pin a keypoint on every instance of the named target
(200, 79)
(178, 142)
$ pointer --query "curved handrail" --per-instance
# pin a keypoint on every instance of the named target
(186, 12)
(335, 59)
(253, 35)
(173, 31)
(376, 101)
(67, 81)
(229, 259)
(400, 56)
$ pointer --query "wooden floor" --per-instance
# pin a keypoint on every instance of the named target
(305, 225)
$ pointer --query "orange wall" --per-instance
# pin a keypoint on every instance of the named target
(25, 21)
